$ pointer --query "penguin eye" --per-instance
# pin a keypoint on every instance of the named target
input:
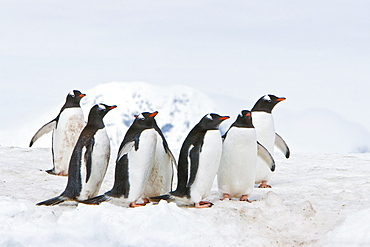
(140, 116)
(267, 98)
(209, 116)
(72, 93)
(102, 107)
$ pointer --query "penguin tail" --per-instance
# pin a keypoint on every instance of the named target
(53, 201)
(96, 200)
(166, 197)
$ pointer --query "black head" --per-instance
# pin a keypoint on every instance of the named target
(266, 103)
(97, 113)
(73, 98)
(244, 120)
(212, 121)
(145, 119)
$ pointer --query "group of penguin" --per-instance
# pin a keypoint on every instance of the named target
(145, 166)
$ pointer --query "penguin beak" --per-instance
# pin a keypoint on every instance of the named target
(82, 95)
(281, 99)
(248, 114)
(224, 118)
(112, 107)
(153, 114)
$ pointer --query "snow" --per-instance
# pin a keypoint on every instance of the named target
(315, 200)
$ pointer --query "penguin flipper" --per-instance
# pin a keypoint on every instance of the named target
(53, 201)
(125, 149)
(172, 157)
(266, 156)
(162, 197)
(96, 200)
(281, 145)
(43, 130)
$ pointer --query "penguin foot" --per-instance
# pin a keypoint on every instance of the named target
(264, 185)
(203, 204)
(244, 198)
(225, 196)
(135, 205)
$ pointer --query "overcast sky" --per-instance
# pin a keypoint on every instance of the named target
(316, 53)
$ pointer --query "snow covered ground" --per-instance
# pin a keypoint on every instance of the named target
(315, 200)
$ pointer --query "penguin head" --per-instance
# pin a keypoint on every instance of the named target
(75, 96)
(97, 113)
(212, 121)
(145, 119)
(266, 103)
(244, 119)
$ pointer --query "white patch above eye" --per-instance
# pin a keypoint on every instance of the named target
(209, 116)
(102, 107)
(267, 98)
(140, 116)
(72, 93)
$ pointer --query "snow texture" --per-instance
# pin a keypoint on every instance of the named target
(315, 200)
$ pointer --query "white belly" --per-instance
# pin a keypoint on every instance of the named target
(264, 124)
(140, 163)
(65, 136)
(100, 161)
(237, 172)
(160, 178)
(209, 162)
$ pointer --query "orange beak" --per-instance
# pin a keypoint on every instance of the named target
(153, 114)
(224, 118)
(281, 99)
(82, 95)
(112, 107)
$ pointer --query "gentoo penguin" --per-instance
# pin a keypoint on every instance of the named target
(89, 160)
(136, 166)
(198, 162)
(162, 172)
(66, 127)
(264, 124)
(237, 171)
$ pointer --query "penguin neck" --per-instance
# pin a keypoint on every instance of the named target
(70, 104)
(243, 123)
(95, 122)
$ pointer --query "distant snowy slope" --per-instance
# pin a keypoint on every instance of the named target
(179, 107)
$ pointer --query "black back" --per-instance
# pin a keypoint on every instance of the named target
(266, 103)
(192, 147)
(86, 139)
(142, 122)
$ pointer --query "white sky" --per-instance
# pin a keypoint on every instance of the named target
(316, 53)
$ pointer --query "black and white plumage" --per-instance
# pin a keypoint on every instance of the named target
(143, 165)
(198, 162)
(89, 160)
(263, 122)
(237, 172)
(66, 128)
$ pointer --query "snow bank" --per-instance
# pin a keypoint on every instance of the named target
(315, 200)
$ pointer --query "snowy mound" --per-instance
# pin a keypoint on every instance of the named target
(180, 107)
